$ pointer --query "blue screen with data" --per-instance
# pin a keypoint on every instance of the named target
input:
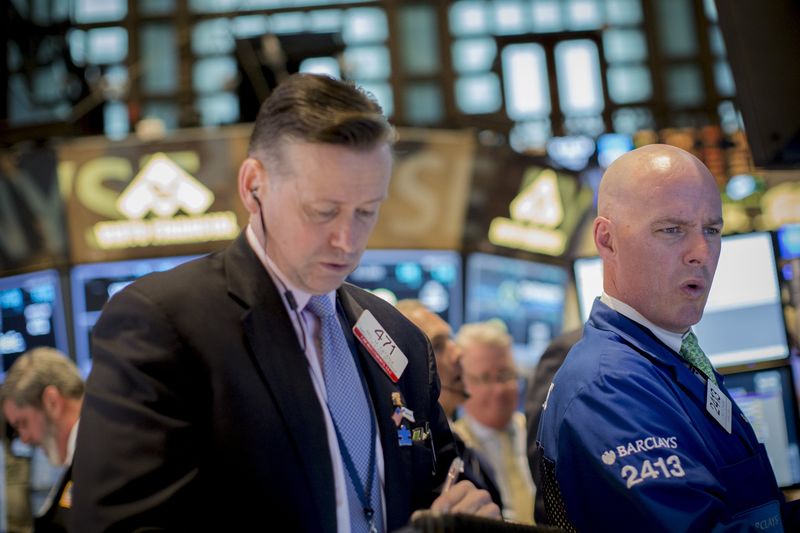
(31, 315)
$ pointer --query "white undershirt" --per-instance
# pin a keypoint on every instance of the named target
(313, 354)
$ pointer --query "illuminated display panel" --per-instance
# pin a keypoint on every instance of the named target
(92, 286)
(743, 321)
(767, 399)
(588, 283)
(31, 315)
(431, 276)
(527, 296)
(789, 241)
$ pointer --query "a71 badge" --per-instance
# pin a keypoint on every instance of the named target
(380, 346)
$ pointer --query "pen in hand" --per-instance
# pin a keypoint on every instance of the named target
(456, 468)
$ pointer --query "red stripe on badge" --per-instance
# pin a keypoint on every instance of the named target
(374, 353)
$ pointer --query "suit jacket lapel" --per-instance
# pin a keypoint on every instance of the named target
(397, 474)
(279, 359)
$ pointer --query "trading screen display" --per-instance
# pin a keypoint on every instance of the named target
(743, 320)
(527, 296)
(92, 286)
(431, 276)
(767, 399)
(31, 315)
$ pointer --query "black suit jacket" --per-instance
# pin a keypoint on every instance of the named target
(200, 412)
(55, 519)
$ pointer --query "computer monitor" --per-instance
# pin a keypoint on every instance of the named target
(31, 315)
(588, 273)
(527, 296)
(431, 276)
(743, 320)
(767, 398)
(94, 283)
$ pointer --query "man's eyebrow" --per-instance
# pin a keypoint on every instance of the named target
(684, 222)
(671, 220)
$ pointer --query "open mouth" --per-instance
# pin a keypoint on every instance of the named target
(694, 288)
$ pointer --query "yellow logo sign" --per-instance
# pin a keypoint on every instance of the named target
(536, 212)
(539, 202)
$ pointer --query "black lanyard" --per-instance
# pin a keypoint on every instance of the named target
(364, 493)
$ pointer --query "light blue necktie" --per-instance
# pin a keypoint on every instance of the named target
(691, 352)
(352, 416)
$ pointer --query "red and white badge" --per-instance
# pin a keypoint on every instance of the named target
(380, 346)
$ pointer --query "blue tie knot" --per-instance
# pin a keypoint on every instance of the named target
(321, 306)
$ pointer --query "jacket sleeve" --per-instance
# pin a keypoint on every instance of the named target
(137, 454)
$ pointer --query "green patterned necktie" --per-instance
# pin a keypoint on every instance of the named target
(692, 353)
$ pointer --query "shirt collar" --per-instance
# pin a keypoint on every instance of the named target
(671, 339)
(73, 436)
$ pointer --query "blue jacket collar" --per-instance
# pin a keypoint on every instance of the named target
(645, 342)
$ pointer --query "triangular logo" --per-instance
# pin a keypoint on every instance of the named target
(539, 202)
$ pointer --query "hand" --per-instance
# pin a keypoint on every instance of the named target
(465, 498)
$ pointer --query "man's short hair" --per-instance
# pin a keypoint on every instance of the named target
(317, 109)
(492, 333)
(37, 369)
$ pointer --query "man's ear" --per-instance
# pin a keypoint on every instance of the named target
(252, 179)
(604, 236)
(52, 402)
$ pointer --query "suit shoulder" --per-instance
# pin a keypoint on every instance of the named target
(383, 311)
(195, 280)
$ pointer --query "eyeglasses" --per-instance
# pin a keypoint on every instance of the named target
(501, 378)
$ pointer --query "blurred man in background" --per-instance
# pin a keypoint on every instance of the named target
(448, 363)
(41, 399)
(491, 425)
(447, 352)
(535, 395)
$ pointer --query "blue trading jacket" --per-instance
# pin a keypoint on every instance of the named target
(627, 444)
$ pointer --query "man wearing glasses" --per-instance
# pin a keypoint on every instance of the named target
(490, 424)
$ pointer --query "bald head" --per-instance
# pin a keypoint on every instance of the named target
(643, 172)
(658, 231)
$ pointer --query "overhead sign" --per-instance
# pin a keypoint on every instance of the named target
(429, 191)
(132, 199)
(178, 202)
(537, 216)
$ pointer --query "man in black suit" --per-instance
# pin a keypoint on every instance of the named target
(41, 400)
(212, 403)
